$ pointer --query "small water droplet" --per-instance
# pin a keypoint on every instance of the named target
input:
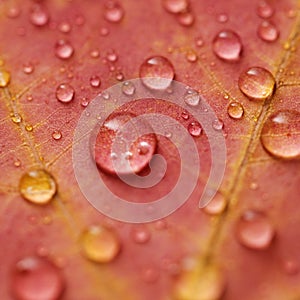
(264, 9)
(199, 42)
(195, 129)
(175, 6)
(64, 27)
(227, 45)
(95, 81)
(37, 186)
(128, 88)
(39, 15)
(36, 278)
(28, 68)
(120, 76)
(13, 12)
(4, 78)
(185, 115)
(56, 135)
(254, 230)
(186, 19)
(28, 127)
(191, 56)
(63, 49)
(16, 118)
(112, 56)
(217, 124)
(113, 12)
(84, 102)
(157, 73)
(17, 163)
(192, 98)
(280, 134)
(65, 93)
(257, 83)
(267, 31)
(216, 206)
(95, 53)
(235, 110)
(140, 234)
(222, 18)
(104, 31)
(106, 138)
(100, 244)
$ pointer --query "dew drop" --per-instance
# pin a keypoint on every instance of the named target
(128, 88)
(65, 93)
(199, 42)
(267, 31)
(192, 98)
(216, 206)
(28, 68)
(157, 73)
(4, 78)
(280, 134)
(120, 76)
(227, 45)
(235, 110)
(37, 186)
(84, 102)
(186, 19)
(140, 235)
(257, 83)
(95, 81)
(63, 49)
(16, 118)
(100, 244)
(185, 115)
(95, 53)
(36, 278)
(106, 138)
(104, 31)
(13, 12)
(264, 10)
(114, 13)
(64, 27)
(191, 56)
(195, 129)
(254, 230)
(217, 124)
(28, 127)
(112, 56)
(39, 16)
(175, 6)
(56, 135)
(222, 18)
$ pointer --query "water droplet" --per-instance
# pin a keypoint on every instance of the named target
(280, 134)
(16, 118)
(37, 186)
(84, 102)
(227, 45)
(28, 68)
(185, 115)
(186, 19)
(95, 53)
(222, 18)
(195, 129)
(175, 6)
(157, 73)
(36, 278)
(106, 137)
(291, 267)
(199, 42)
(39, 15)
(100, 244)
(4, 78)
(254, 230)
(143, 148)
(104, 31)
(257, 83)
(64, 27)
(17, 163)
(65, 93)
(56, 135)
(217, 124)
(13, 12)
(191, 56)
(28, 127)
(140, 234)
(267, 31)
(128, 88)
(192, 98)
(112, 56)
(113, 12)
(264, 10)
(235, 110)
(120, 76)
(95, 81)
(63, 49)
(216, 206)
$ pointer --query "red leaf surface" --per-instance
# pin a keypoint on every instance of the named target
(245, 248)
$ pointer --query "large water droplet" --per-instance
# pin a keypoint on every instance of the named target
(157, 72)
(65, 93)
(280, 134)
(195, 129)
(35, 278)
(37, 186)
(39, 16)
(63, 49)
(113, 12)
(138, 157)
(235, 110)
(175, 6)
(4, 78)
(267, 31)
(227, 45)
(100, 244)
(257, 83)
(264, 9)
(254, 230)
